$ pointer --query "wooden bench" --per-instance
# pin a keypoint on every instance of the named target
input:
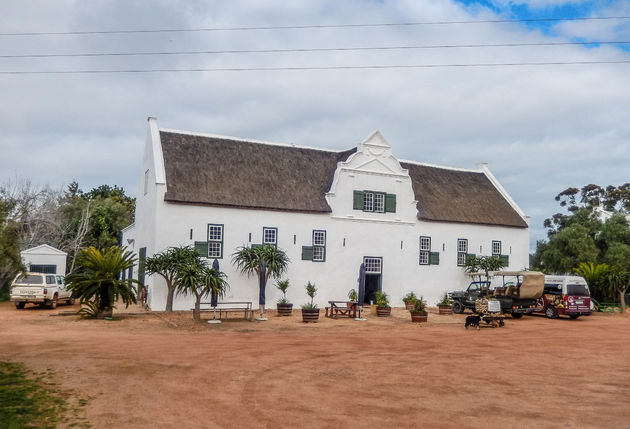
(226, 307)
(337, 308)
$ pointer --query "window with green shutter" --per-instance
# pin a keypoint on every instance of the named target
(434, 258)
(358, 200)
(307, 253)
(142, 261)
(201, 247)
(505, 259)
(390, 203)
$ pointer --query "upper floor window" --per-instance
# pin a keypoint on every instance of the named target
(462, 251)
(319, 246)
(376, 202)
(425, 250)
(270, 236)
(215, 241)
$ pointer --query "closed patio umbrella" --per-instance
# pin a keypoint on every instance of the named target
(262, 283)
(214, 297)
(361, 289)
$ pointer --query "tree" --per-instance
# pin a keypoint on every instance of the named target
(566, 249)
(10, 259)
(596, 276)
(197, 278)
(248, 259)
(167, 264)
(97, 279)
(486, 264)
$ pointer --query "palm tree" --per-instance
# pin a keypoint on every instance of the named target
(200, 280)
(248, 259)
(97, 281)
(166, 264)
(595, 275)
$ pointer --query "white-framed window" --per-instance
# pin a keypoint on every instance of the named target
(319, 245)
(379, 203)
(462, 251)
(270, 236)
(496, 248)
(215, 240)
(368, 202)
(373, 265)
(425, 250)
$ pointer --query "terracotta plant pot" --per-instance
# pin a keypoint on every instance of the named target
(310, 315)
(419, 317)
(445, 309)
(409, 305)
(284, 309)
(383, 311)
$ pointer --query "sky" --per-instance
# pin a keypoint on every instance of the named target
(541, 129)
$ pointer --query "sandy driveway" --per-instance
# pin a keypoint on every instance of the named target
(143, 372)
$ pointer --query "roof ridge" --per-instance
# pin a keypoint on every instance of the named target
(246, 140)
(444, 167)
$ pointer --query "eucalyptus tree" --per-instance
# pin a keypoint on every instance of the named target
(96, 281)
(167, 264)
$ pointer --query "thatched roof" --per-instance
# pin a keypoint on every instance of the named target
(230, 172)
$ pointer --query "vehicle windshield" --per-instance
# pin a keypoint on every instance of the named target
(29, 279)
(578, 290)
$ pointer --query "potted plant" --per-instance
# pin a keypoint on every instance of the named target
(310, 312)
(409, 300)
(382, 304)
(419, 311)
(284, 307)
(353, 297)
(445, 305)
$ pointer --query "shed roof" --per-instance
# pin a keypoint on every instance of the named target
(231, 172)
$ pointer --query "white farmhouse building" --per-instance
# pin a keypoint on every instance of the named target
(411, 223)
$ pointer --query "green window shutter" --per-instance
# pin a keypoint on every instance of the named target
(358, 200)
(256, 245)
(390, 203)
(142, 260)
(202, 248)
(434, 258)
(505, 259)
(307, 253)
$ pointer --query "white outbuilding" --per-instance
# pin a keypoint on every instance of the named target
(44, 259)
(412, 224)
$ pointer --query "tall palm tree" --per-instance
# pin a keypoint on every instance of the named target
(200, 280)
(97, 281)
(166, 264)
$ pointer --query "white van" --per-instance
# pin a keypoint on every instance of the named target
(565, 295)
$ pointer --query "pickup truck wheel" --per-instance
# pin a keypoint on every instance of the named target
(517, 315)
(551, 312)
(53, 303)
(458, 307)
(70, 301)
(19, 305)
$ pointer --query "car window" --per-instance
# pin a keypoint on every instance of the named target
(50, 280)
(30, 279)
(578, 290)
(553, 289)
(59, 280)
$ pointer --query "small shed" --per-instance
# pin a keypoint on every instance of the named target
(44, 259)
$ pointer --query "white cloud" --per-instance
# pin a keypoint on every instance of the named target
(542, 129)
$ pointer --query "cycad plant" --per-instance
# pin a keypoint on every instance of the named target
(283, 286)
(311, 291)
(96, 279)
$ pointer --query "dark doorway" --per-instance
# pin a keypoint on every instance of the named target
(372, 284)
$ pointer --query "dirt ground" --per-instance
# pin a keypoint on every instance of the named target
(163, 371)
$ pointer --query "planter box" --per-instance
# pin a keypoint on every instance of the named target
(310, 315)
(419, 317)
(445, 309)
(284, 309)
(409, 305)
(383, 311)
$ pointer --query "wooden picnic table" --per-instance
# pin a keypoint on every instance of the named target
(337, 308)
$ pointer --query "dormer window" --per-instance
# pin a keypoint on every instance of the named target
(375, 202)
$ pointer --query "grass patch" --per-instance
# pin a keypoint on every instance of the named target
(29, 403)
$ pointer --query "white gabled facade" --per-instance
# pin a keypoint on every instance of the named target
(351, 234)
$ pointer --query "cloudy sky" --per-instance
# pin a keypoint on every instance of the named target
(541, 128)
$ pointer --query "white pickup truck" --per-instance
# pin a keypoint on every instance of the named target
(42, 289)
